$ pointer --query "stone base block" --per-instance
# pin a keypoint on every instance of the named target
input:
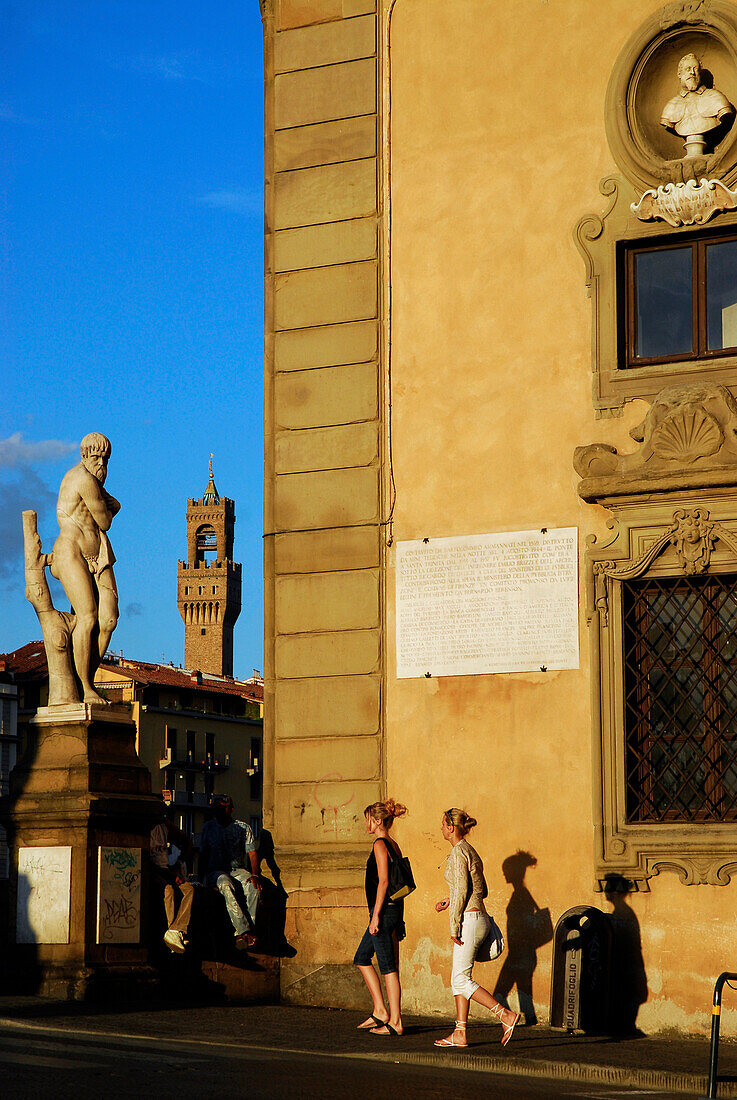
(112, 985)
(332, 985)
(255, 981)
(78, 818)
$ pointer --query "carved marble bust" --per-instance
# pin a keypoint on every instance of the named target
(697, 110)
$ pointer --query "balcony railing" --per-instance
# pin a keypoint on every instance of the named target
(211, 763)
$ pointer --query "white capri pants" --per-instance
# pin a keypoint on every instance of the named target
(474, 930)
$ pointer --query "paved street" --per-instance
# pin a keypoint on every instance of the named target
(63, 1064)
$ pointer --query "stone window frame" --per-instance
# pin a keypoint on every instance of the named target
(672, 510)
(698, 852)
(600, 238)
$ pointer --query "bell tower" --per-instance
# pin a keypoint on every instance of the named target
(209, 583)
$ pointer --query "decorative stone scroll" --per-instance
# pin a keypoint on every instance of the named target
(688, 203)
(692, 535)
(688, 438)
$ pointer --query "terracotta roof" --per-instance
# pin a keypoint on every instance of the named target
(142, 672)
(29, 663)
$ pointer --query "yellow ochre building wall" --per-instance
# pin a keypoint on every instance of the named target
(428, 374)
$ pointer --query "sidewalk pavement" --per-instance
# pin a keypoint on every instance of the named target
(667, 1063)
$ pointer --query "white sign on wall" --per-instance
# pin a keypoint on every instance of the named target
(44, 892)
(488, 603)
(119, 895)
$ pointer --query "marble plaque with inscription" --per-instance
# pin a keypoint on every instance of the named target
(44, 892)
(488, 603)
(119, 895)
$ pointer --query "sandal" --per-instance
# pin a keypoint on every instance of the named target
(507, 1029)
(450, 1041)
(371, 1023)
(389, 1030)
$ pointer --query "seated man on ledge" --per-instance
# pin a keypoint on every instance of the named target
(228, 855)
(170, 848)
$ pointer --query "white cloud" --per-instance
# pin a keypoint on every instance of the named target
(15, 451)
(26, 490)
(238, 201)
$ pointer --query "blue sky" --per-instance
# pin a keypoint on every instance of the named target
(131, 288)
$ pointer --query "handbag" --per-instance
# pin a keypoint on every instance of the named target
(492, 945)
(401, 879)
(541, 928)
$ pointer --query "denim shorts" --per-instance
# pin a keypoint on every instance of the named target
(382, 944)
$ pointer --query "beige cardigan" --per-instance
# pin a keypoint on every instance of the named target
(464, 873)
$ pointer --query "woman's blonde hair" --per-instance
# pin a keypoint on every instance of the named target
(385, 812)
(460, 820)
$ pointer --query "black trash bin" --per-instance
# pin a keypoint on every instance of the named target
(580, 983)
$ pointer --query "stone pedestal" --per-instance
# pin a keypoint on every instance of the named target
(79, 817)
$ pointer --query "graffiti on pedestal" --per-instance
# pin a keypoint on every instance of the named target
(119, 895)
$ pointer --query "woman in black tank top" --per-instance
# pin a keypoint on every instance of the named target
(386, 923)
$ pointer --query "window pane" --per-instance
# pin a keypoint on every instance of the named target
(680, 659)
(721, 294)
(663, 282)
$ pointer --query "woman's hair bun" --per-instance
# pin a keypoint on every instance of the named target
(386, 811)
(460, 820)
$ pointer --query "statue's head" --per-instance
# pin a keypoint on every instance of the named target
(95, 443)
(689, 72)
(96, 449)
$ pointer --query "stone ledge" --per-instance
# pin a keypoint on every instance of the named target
(63, 713)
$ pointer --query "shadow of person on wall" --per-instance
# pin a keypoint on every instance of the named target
(629, 980)
(273, 900)
(528, 928)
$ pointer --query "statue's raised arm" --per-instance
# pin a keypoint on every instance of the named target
(82, 559)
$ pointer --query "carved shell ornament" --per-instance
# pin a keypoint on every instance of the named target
(689, 430)
(687, 434)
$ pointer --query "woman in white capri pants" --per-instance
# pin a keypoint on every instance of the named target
(470, 926)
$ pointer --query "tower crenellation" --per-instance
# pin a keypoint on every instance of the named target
(209, 583)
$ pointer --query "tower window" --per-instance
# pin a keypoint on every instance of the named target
(202, 631)
(214, 589)
(206, 543)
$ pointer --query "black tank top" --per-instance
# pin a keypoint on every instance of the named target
(372, 876)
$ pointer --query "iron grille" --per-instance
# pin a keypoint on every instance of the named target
(680, 645)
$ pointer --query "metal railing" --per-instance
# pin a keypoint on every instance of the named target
(716, 1016)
